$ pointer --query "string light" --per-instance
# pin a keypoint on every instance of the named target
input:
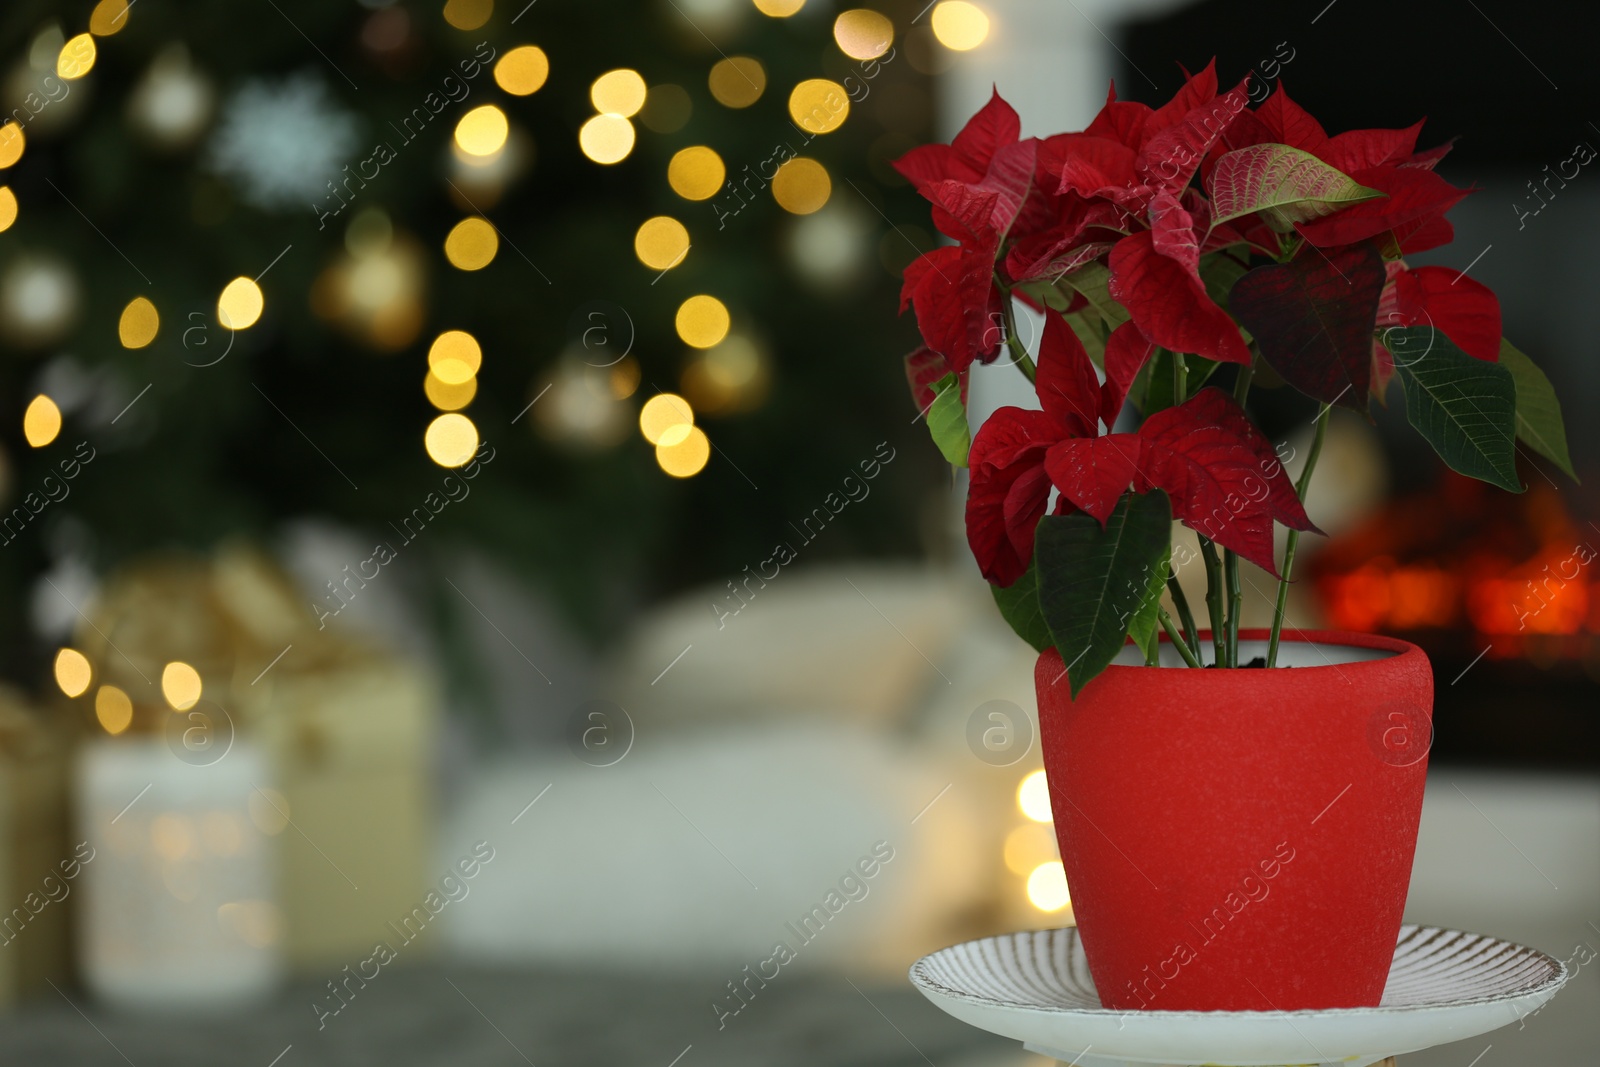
(471, 244)
(181, 685)
(661, 243)
(959, 26)
(113, 709)
(139, 323)
(454, 357)
(737, 81)
(606, 138)
(801, 186)
(108, 17)
(482, 131)
(618, 92)
(73, 673)
(240, 304)
(449, 396)
(522, 70)
(1047, 887)
(468, 14)
(41, 422)
(696, 173)
(77, 57)
(818, 105)
(665, 417)
(863, 33)
(702, 321)
(8, 208)
(1033, 797)
(685, 456)
(12, 142)
(779, 9)
(1028, 846)
(451, 440)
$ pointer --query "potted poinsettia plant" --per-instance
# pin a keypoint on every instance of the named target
(1233, 839)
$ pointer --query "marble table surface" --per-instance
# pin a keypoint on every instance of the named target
(467, 1017)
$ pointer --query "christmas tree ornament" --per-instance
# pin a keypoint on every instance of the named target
(281, 143)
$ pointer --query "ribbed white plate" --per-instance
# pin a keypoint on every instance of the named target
(1443, 986)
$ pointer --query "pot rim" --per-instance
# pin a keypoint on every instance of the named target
(1400, 652)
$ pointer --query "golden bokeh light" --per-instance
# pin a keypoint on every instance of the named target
(661, 243)
(451, 440)
(139, 323)
(959, 26)
(41, 422)
(624, 378)
(482, 131)
(454, 357)
(77, 57)
(801, 186)
(663, 414)
(779, 9)
(240, 304)
(606, 138)
(696, 173)
(1033, 797)
(449, 396)
(686, 455)
(1047, 887)
(522, 70)
(666, 108)
(113, 708)
(8, 208)
(471, 244)
(181, 685)
(73, 672)
(818, 105)
(863, 33)
(1028, 846)
(737, 81)
(108, 17)
(702, 321)
(12, 142)
(468, 14)
(730, 377)
(618, 92)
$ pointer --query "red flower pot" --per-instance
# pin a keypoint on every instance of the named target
(1241, 839)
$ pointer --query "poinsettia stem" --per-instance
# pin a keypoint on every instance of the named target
(1177, 642)
(1019, 351)
(1180, 600)
(1294, 535)
(1219, 646)
(1180, 379)
(1230, 565)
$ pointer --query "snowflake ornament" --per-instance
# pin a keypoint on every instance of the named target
(281, 142)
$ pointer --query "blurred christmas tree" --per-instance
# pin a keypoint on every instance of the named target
(343, 183)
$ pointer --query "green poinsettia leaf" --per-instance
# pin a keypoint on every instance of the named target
(1286, 185)
(1094, 580)
(1539, 422)
(947, 421)
(1152, 388)
(1465, 408)
(1019, 606)
(1085, 322)
(1144, 626)
(1047, 292)
(1093, 281)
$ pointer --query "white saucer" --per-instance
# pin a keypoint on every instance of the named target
(1443, 986)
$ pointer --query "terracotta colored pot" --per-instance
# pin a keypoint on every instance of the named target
(1241, 839)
